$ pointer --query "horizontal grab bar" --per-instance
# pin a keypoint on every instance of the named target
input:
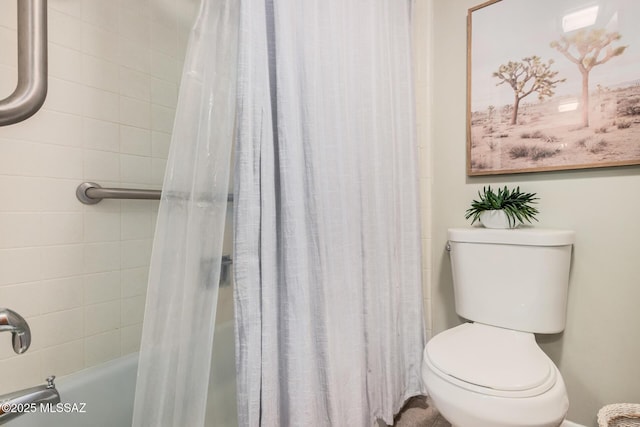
(91, 193)
(31, 90)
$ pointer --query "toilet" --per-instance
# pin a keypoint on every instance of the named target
(490, 372)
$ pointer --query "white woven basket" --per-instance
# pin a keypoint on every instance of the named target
(619, 415)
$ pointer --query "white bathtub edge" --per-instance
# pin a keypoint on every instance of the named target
(94, 375)
(567, 423)
(103, 394)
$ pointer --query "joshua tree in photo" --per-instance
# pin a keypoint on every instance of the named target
(585, 49)
(490, 112)
(526, 77)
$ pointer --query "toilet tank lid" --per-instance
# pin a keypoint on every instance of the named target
(529, 236)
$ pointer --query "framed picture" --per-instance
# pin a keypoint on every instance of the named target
(552, 84)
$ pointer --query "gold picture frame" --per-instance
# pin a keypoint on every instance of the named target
(552, 85)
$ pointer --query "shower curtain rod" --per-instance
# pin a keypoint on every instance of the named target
(91, 193)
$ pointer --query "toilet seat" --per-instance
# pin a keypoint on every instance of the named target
(491, 360)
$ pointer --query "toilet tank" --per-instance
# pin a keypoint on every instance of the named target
(516, 279)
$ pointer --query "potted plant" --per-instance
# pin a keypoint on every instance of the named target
(503, 208)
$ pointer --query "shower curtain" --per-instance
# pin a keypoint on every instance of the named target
(329, 321)
(179, 320)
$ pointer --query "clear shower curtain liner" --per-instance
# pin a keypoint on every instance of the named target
(328, 297)
(179, 320)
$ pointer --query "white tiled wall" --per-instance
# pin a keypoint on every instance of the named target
(422, 39)
(78, 273)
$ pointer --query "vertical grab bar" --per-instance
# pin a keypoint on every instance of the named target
(31, 89)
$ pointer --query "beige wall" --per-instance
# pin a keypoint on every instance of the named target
(78, 273)
(599, 351)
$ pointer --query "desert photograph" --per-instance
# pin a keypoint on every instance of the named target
(558, 88)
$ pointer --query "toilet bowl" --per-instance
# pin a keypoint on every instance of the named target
(484, 376)
(490, 372)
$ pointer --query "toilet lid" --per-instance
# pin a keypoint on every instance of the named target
(491, 357)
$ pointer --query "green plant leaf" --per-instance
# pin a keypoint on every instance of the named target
(516, 204)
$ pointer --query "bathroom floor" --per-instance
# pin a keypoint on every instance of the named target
(420, 412)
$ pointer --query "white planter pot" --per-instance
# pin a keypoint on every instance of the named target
(496, 219)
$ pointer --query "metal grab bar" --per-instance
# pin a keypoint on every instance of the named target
(31, 90)
(91, 193)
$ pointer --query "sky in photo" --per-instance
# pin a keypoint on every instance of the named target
(510, 30)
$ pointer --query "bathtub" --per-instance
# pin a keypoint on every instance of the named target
(108, 391)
